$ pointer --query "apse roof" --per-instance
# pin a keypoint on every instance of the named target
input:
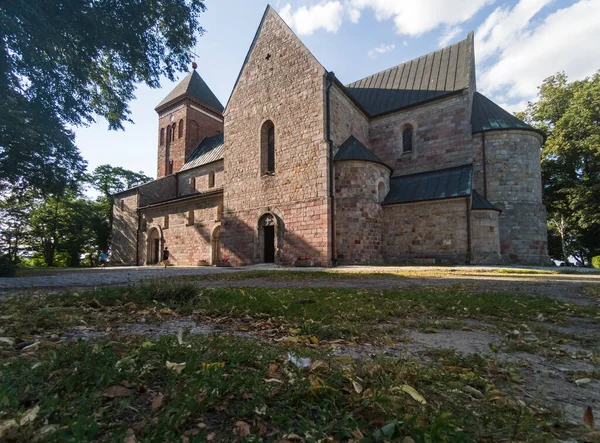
(488, 116)
(352, 149)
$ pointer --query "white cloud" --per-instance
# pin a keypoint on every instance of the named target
(416, 17)
(449, 35)
(354, 14)
(381, 49)
(404, 42)
(305, 20)
(566, 40)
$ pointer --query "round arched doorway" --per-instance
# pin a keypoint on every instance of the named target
(153, 251)
(215, 245)
(267, 238)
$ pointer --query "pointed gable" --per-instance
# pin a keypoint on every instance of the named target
(192, 86)
(426, 78)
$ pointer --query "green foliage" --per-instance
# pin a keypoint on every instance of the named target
(596, 261)
(64, 63)
(570, 114)
(8, 268)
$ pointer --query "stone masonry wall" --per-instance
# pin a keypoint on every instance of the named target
(125, 224)
(158, 190)
(188, 186)
(435, 229)
(441, 136)
(346, 120)
(485, 237)
(514, 186)
(187, 242)
(284, 83)
(199, 121)
(358, 213)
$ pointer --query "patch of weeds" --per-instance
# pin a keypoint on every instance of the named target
(225, 388)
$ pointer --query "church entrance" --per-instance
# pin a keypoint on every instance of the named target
(269, 244)
(153, 247)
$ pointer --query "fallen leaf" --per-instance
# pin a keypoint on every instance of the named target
(180, 336)
(314, 340)
(29, 415)
(8, 340)
(583, 381)
(272, 380)
(292, 437)
(408, 440)
(495, 395)
(125, 383)
(357, 434)
(95, 304)
(44, 431)
(246, 395)
(319, 364)
(588, 418)
(157, 402)
(139, 426)
(474, 392)
(211, 436)
(6, 425)
(176, 367)
(272, 371)
(130, 437)
(357, 387)
(412, 392)
(116, 391)
(241, 429)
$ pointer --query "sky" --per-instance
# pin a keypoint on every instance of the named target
(518, 44)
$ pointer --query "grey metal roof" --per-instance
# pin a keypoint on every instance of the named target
(479, 202)
(432, 185)
(209, 150)
(428, 77)
(352, 149)
(193, 86)
(488, 116)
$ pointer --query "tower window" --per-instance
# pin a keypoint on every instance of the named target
(211, 179)
(407, 139)
(170, 171)
(180, 128)
(168, 134)
(267, 148)
(173, 131)
(162, 136)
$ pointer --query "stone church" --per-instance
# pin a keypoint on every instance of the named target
(408, 165)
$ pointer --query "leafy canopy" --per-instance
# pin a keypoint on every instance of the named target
(63, 63)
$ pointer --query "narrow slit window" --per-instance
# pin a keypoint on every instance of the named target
(190, 218)
(407, 139)
(211, 179)
(267, 148)
(180, 128)
(193, 184)
(166, 222)
(162, 136)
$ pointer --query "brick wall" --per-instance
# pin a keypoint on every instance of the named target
(187, 242)
(441, 136)
(199, 121)
(196, 180)
(346, 119)
(435, 229)
(514, 186)
(358, 213)
(124, 233)
(287, 89)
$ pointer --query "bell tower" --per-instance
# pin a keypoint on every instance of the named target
(187, 115)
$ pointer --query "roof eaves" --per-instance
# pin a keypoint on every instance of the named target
(180, 199)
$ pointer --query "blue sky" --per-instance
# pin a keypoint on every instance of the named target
(517, 44)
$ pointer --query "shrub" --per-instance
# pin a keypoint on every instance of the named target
(7, 267)
(596, 261)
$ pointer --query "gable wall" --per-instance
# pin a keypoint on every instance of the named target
(442, 138)
(346, 120)
(287, 89)
(124, 231)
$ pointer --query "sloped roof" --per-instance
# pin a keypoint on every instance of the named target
(488, 116)
(431, 185)
(209, 150)
(431, 76)
(479, 202)
(352, 149)
(194, 86)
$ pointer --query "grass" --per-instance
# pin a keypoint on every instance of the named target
(228, 380)
(328, 313)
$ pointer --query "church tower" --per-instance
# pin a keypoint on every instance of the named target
(186, 116)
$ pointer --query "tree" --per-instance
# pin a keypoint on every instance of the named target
(570, 114)
(64, 63)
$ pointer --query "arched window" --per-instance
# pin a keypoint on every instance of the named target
(168, 134)
(407, 139)
(180, 128)
(173, 131)
(162, 136)
(267, 148)
(211, 179)
(380, 192)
